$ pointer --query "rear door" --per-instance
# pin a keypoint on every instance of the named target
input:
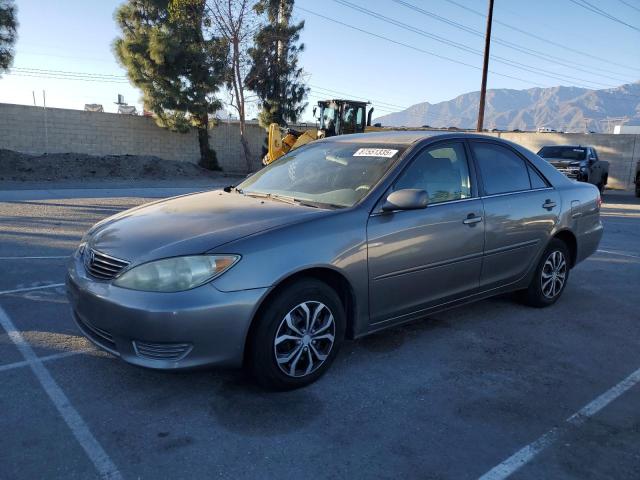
(419, 258)
(520, 211)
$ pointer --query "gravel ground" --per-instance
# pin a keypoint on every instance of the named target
(22, 167)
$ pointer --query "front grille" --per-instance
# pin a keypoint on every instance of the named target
(97, 335)
(570, 172)
(161, 351)
(102, 266)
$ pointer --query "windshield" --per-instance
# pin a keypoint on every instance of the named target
(327, 118)
(338, 174)
(567, 153)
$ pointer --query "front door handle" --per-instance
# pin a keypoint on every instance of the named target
(548, 204)
(471, 219)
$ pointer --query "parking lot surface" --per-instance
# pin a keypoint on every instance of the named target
(481, 389)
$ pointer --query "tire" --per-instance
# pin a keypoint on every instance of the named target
(274, 365)
(638, 188)
(554, 259)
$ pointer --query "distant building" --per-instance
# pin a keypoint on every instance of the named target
(631, 129)
(127, 109)
(93, 107)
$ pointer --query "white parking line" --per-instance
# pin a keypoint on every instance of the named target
(106, 468)
(526, 454)
(46, 358)
(618, 253)
(35, 258)
(29, 289)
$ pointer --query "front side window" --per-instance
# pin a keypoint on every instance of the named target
(442, 171)
(334, 173)
(502, 170)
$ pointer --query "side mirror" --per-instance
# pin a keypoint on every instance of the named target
(407, 199)
(315, 109)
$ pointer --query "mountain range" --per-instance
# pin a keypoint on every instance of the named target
(569, 109)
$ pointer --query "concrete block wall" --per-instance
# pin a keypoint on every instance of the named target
(22, 128)
(37, 130)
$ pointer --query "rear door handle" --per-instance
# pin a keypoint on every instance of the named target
(548, 204)
(471, 219)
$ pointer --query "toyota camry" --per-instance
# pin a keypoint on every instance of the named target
(338, 239)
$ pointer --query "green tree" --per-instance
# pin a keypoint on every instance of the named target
(179, 71)
(275, 75)
(8, 33)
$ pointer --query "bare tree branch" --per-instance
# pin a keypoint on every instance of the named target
(235, 22)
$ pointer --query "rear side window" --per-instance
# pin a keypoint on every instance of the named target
(536, 179)
(502, 170)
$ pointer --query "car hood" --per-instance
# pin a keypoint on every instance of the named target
(191, 224)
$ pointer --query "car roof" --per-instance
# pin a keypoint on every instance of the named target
(400, 137)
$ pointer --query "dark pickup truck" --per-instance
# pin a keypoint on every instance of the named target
(577, 162)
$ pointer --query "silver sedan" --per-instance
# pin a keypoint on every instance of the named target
(340, 238)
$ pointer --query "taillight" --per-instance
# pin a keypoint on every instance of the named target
(599, 201)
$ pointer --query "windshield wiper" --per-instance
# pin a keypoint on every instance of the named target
(284, 198)
(290, 200)
(310, 203)
(255, 194)
(304, 202)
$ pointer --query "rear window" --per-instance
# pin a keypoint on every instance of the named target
(502, 170)
(565, 153)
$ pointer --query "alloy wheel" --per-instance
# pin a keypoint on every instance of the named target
(554, 274)
(304, 339)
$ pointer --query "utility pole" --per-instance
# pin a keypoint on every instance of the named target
(46, 129)
(485, 67)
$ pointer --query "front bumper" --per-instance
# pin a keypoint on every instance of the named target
(574, 173)
(194, 328)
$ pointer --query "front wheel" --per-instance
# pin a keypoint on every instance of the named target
(550, 277)
(601, 186)
(297, 336)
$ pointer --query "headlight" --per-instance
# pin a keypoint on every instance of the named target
(80, 250)
(176, 274)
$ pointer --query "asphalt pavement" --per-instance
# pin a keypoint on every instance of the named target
(495, 388)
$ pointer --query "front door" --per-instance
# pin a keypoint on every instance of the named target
(420, 258)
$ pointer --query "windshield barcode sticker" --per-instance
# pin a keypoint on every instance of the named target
(375, 152)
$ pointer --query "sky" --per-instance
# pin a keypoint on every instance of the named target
(406, 57)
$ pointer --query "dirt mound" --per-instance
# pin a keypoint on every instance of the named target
(77, 166)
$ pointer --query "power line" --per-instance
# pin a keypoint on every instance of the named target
(70, 75)
(629, 5)
(53, 77)
(542, 39)
(522, 49)
(110, 78)
(598, 11)
(88, 74)
(427, 52)
(350, 95)
(466, 48)
(322, 96)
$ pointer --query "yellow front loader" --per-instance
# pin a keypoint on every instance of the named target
(336, 117)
